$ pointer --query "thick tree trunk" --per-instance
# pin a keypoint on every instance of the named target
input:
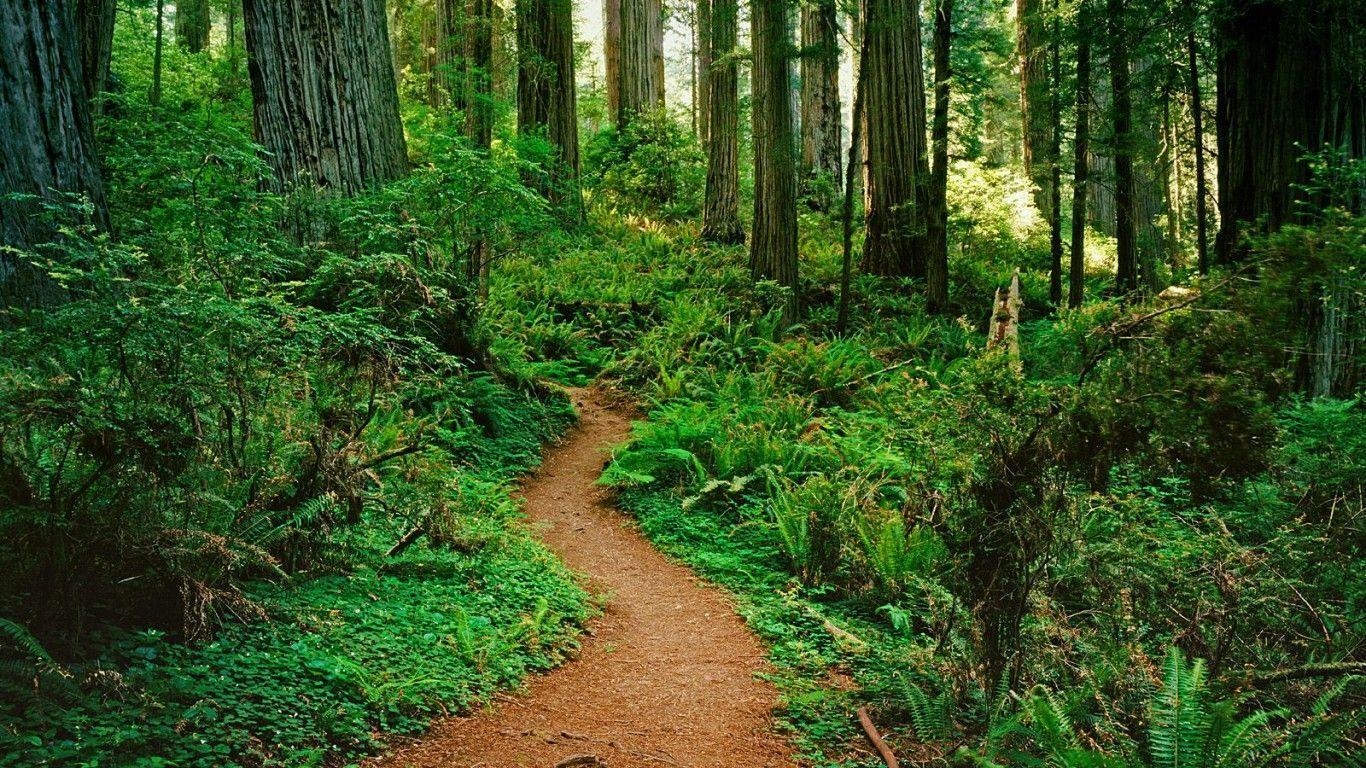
(1076, 285)
(702, 103)
(611, 53)
(452, 29)
(1126, 233)
(655, 18)
(326, 103)
(898, 169)
(937, 271)
(47, 142)
(773, 254)
(545, 77)
(95, 25)
(479, 72)
(821, 117)
(721, 214)
(192, 23)
(1031, 48)
(638, 88)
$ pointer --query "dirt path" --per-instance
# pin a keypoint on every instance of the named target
(667, 676)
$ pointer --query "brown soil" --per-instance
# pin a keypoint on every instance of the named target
(667, 674)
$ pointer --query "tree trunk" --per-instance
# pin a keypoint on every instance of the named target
(821, 117)
(154, 96)
(702, 102)
(1031, 48)
(47, 144)
(545, 78)
(1081, 164)
(1126, 232)
(611, 53)
(898, 170)
(326, 103)
(453, 30)
(638, 86)
(192, 22)
(95, 25)
(655, 18)
(937, 272)
(1201, 183)
(478, 72)
(773, 254)
(721, 214)
(1055, 163)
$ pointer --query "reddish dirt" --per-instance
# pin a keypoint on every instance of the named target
(666, 676)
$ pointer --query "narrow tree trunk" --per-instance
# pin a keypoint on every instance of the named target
(611, 53)
(1201, 183)
(1035, 115)
(1081, 163)
(326, 103)
(851, 173)
(773, 254)
(1126, 232)
(154, 96)
(47, 141)
(655, 18)
(702, 104)
(937, 279)
(479, 72)
(638, 87)
(721, 214)
(451, 75)
(898, 170)
(192, 23)
(1055, 163)
(821, 116)
(545, 82)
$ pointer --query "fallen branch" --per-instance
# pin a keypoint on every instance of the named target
(408, 539)
(870, 731)
(1309, 671)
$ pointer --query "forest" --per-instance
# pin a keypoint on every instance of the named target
(823, 383)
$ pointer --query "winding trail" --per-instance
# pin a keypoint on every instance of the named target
(666, 676)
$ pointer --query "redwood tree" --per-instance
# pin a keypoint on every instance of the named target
(937, 270)
(639, 83)
(898, 171)
(773, 251)
(95, 25)
(721, 212)
(479, 23)
(822, 121)
(326, 102)
(1121, 116)
(192, 23)
(545, 75)
(1036, 120)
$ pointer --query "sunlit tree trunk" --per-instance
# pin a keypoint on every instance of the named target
(721, 213)
(1201, 182)
(1031, 48)
(937, 270)
(702, 102)
(638, 87)
(326, 103)
(611, 54)
(822, 121)
(773, 254)
(898, 169)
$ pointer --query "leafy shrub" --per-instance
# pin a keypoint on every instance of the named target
(652, 166)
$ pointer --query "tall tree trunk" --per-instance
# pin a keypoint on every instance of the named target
(192, 23)
(326, 102)
(95, 25)
(479, 72)
(47, 144)
(702, 102)
(1081, 164)
(1126, 231)
(453, 29)
(611, 54)
(655, 18)
(821, 116)
(154, 96)
(850, 175)
(1031, 48)
(638, 88)
(721, 213)
(1201, 182)
(1055, 162)
(937, 272)
(773, 254)
(545, 79)
(898, 169)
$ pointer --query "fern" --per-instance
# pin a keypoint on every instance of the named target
(932, 718)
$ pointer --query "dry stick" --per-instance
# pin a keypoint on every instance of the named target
(873, 736)
(855, 151)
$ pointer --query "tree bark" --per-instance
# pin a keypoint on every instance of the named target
(1081, 164)
(937, 272)
(47, 145)
(898, 169)
(192, 23)
(1201, 182)
(154, 96)
(1055, 162)
(545, 78)
(611, 52)
(638, 87)
(479, 72)
(1031, 48)
(654, 16)
(821, 116)
(702, 103)
(1126, 232)
(95, 24)
(721, 213)
(326, 102)
(773, 254)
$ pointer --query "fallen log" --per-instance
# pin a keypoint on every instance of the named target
(869, 730)
(407, 540)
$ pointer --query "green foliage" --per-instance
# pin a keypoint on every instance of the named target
(653, 166)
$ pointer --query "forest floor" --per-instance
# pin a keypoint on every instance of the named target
(668, 675)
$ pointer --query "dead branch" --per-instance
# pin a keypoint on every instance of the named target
(870, 731)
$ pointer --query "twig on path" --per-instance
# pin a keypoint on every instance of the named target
(873, 736)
